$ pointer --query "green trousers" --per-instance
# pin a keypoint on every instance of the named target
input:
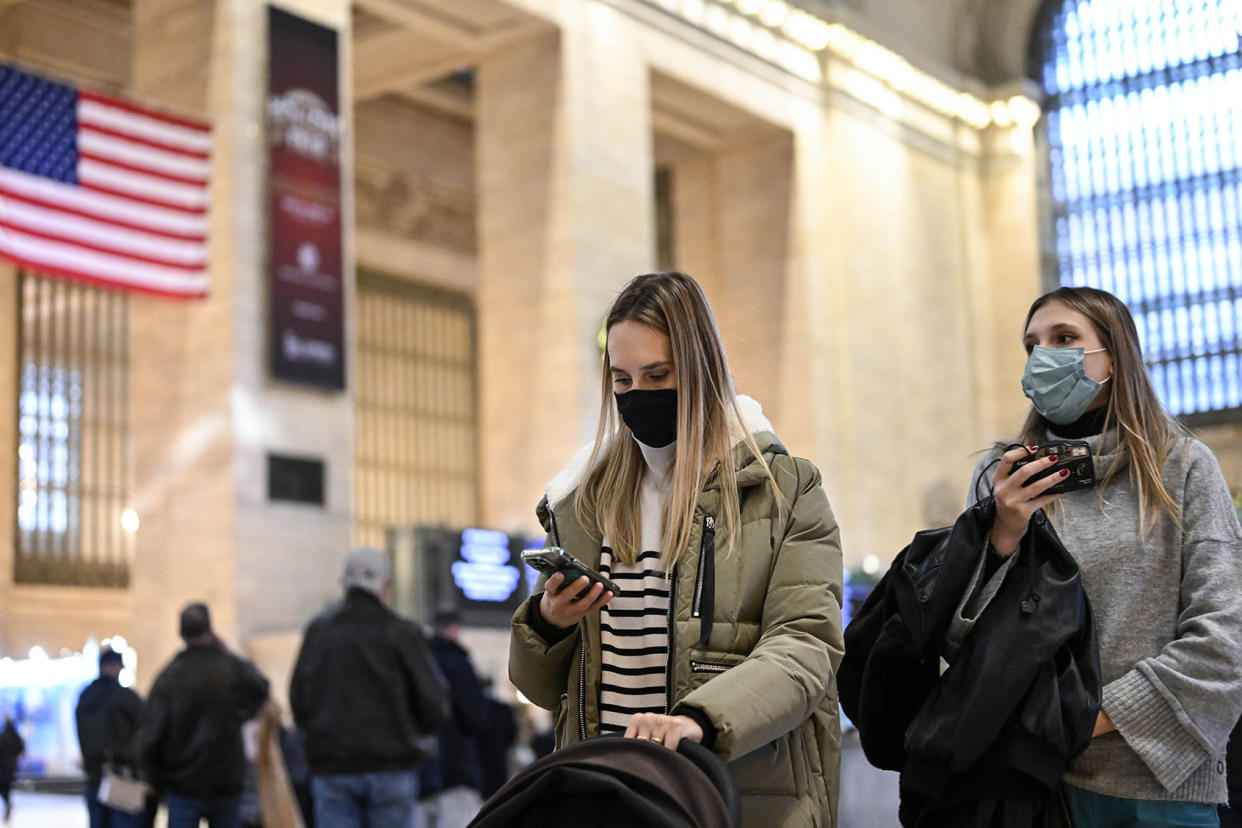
(1093, 810)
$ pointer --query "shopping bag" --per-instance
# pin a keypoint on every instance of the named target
(124, 793)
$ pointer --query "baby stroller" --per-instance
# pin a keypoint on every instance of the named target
(609, 781)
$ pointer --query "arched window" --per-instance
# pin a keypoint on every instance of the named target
(1143, 132)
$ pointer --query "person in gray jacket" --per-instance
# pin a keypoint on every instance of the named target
(1160, 549)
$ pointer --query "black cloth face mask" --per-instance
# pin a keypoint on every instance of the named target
(651, 415)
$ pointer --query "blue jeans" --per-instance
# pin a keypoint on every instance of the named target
(101, 816)
(366, 800)
(1093, 810)
(220, 811)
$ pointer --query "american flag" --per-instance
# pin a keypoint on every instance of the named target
(101, 190)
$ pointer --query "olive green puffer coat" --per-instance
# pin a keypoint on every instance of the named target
(755, 638)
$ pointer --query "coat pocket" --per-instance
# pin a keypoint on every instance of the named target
(705, 665)
(708, 666)
(770, 770)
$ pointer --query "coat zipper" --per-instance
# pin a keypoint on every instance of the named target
(582, 681)
(705, 594)
(709, 531)
(556, 541)
(668, 660)
(708, 667)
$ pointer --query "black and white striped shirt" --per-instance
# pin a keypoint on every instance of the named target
(634, 638)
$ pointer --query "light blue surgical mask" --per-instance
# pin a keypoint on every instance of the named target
(1056, 382)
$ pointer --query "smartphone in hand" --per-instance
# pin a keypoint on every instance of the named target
(555, 559)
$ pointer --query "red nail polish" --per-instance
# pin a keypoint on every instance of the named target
(1052, 458)
(1032, 449)
(1065, 472)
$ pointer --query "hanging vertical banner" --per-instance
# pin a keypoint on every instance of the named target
(306, 303)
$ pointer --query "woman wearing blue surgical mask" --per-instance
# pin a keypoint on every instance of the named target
(1160, 551)
(727, 629)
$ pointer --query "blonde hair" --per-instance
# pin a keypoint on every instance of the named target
(1147, 432)
(673, 304)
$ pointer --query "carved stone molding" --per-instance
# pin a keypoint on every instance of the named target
(412, 206)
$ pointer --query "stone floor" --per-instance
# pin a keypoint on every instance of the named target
(47, 810)
(868, 796)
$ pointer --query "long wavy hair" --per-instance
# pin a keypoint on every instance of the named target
(708, 426)
(1146, 431)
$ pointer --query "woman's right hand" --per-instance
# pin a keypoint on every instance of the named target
(1016, 503)
(563, 608)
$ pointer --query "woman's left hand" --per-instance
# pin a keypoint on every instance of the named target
(663, 730)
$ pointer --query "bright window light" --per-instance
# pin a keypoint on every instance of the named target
(1145, 186)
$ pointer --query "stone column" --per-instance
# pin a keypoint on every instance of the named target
(754, 193)
(1006, 219)
(205, 412)
(731, 220)
(181, 431)
(8, 434)
(898, 348)
(565, 218)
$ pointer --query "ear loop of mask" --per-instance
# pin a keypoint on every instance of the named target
(1096, 351)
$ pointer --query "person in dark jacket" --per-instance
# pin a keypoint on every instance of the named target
(496, 740)
(107, 717)
(452, 781)
(11, 746)
(368, 697)
(190, 738)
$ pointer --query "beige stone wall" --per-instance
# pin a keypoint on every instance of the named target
(8, 452)
(85, 43)
(288, 555)
(415, 173)
(912, 336)
(565, 217)
(206, 412)
(181, 429)
(79, 40)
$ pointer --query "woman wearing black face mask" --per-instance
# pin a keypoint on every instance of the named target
(727, 630)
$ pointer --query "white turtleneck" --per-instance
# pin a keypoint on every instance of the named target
(634, 625)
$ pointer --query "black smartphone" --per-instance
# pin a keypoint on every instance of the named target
(1074, 455)
(555, 559)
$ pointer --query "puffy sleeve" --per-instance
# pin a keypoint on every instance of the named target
(537, 667)
(1176, 709)
(792, 666)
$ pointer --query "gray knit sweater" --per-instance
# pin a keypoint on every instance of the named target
(1168, 614)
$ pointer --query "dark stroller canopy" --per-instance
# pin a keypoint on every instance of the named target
(609, 781)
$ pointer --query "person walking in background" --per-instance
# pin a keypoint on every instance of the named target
(107, 718)
(453, 779)
(727, 629)
(11, 746)
(496, 741)
(368, 698)
(1159, 547)
(190, 739)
